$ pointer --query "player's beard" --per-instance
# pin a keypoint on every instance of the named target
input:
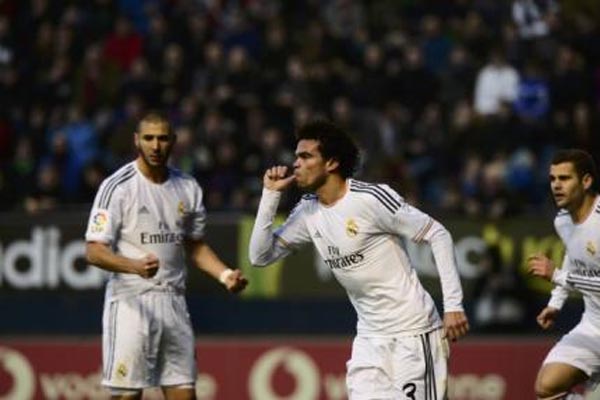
(313, 186)
(159, 162)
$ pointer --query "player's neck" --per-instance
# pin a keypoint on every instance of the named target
(332, 191)
(581, 213)
(153, 174)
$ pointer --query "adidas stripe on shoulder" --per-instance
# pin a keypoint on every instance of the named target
(379, 192)
(112, 183)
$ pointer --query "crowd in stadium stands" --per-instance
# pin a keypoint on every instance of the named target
(457, 104)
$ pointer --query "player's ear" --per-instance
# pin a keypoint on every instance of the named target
(587, 181)
(136, 140)
(332, 164)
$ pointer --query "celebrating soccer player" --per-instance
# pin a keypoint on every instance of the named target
(401, 348)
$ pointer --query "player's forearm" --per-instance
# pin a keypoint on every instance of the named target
(558, 297)
(263, 249)
(206, 259)
(442, 247)
(101, 256)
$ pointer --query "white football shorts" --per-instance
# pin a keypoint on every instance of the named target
(148, 341)
(403, 367)
(579, 348)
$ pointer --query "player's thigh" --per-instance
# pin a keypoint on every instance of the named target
(369, 374)
(124, 340)
(183, 392)
(556, 377)
(178, 361)
(572, 360)
(125, 394)
(421, 367)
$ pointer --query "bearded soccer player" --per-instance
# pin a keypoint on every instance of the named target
(576, 357)
(146, 220)
(400, 350)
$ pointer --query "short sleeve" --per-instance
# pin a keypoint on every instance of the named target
(194, 220)
(106, 215)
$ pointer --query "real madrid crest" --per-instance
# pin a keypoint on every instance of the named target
(180, 208)
(121, 370)
(590, 248)
(351, 228)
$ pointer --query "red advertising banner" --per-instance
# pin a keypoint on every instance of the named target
(263, 369)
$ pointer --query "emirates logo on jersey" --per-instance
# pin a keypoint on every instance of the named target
(351, 228)
(590, 248)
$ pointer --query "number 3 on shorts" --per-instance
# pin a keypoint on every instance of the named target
(409, 390)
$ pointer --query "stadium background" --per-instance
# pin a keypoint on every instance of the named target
(457, 104)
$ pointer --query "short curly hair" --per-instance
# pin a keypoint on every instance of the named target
(334, 143)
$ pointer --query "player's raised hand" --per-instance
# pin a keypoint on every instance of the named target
(276, 178)
(541, 266)
(546, 317)
(235, 281)
(456, 325)
(147, 266)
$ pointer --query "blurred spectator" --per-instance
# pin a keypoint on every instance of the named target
(95, 80)
(47, 192)
(414, 86)
(123, 45)
(569, 83)
(18, 174)
(91, 177)
(7, 42)
(585, 126)
(497, 83)
(444, 119)
(344, 17)
(174, 78)
(458, 78)
(533, 95)
(119, 140)
(436, 46)
(535, 21)
(183, 153)
(475, 35)
(534, 18)
(223, 183)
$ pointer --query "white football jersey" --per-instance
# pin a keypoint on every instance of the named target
(361, 238)
(137, 217)
(581, 267)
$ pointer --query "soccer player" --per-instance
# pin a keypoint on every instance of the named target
(146, 219)
(576, 357)
(359, 228)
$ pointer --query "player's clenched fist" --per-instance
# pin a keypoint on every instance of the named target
(276, 178)
(147, 266)
(541, 266)
(546, 317)
(234, 281)
(456, 325)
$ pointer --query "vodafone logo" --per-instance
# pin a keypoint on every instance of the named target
(17, 380)
(297, 364)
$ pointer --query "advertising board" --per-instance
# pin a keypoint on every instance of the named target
(263, 369)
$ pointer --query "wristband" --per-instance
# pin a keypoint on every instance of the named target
(225, 275)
